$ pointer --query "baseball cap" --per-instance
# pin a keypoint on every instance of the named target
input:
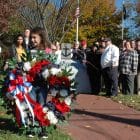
(83, 42)
(76, 43)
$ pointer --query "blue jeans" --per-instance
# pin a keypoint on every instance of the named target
(39, 94)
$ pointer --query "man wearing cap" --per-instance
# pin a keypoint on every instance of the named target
(84, 49)
(109, 64)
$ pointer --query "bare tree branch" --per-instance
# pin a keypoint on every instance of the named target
(54, 16)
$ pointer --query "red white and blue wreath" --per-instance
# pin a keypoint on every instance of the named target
(61, 90)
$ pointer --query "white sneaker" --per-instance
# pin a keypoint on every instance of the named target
(44, 137)
(31, 136)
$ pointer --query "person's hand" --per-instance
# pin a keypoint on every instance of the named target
(5, 66)
(84, 61)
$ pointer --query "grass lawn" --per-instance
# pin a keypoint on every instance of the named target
(132, 101)
(8, 131)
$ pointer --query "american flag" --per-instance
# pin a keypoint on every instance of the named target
(77, 12)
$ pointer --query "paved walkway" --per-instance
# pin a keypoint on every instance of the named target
(99, 118)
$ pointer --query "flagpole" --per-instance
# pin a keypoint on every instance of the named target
(122, 21)
(77, 24)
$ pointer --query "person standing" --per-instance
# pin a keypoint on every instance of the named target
(133, 44)
(40, 85)
(58, 52)
(18, 50)
(79, 60)
(109, 64)
(128, 68)
(76, 52)
(138, 70)
(39, 41)
(27, 40)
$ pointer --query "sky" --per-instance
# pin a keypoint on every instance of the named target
(128, 23)
(119, 3)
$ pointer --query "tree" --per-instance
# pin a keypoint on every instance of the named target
(98, 19)
(53, 15)
(133, 18)
(7, 9)
(138, 17)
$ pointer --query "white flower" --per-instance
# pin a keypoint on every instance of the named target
(29, 121)
(52, 118)
(45, 73)
(54, 71)
(63, 92)
(45, 109)
(53, 92)
(26, 66)
(25, 114)
(68, 101)
(23, 106)
(11, 76)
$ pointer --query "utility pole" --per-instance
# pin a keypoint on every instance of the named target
(122, 21)
(77, 20)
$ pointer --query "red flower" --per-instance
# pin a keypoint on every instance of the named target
(60, 106)
(37, 67)
(45, 62)
(29, 78)
(53, 80)
(14, 71)
(64, 81)
(40, 115)
(13, 82)
(60, 81)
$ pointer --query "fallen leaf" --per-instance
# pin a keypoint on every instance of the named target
(87, 126)
(121, 108)
(120, 102)
(128, 126)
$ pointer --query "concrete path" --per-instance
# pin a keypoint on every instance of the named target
(100, 118)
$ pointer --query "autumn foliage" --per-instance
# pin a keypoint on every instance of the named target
(8, 8)
(98, 18)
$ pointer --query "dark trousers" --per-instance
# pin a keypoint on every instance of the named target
(127, 83)
(95, 80)
(110, 76)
